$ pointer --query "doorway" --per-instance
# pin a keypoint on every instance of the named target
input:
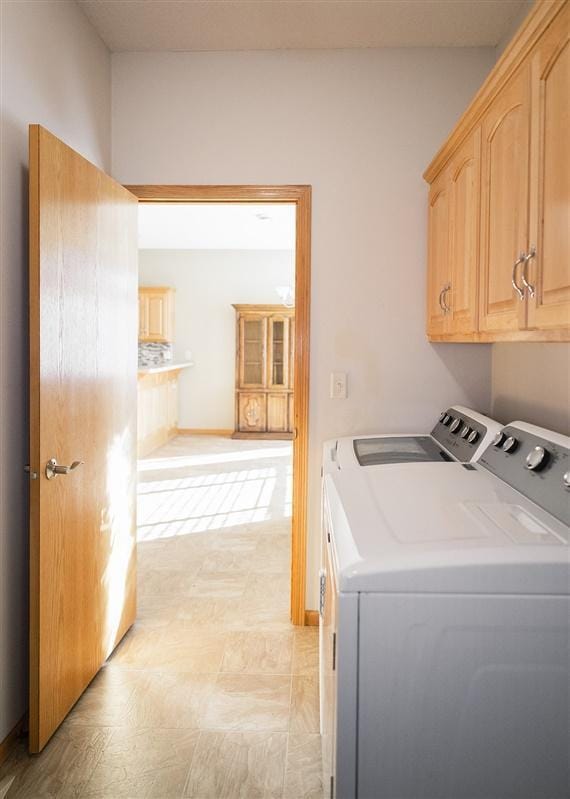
(300, 198)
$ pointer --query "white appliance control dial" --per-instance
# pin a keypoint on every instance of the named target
(447, 418)
(566, 479)
(442, 416)
(499, 438)
(510, 444)
(536, 458)
(456, 424)
(465, 432)
(473, 436)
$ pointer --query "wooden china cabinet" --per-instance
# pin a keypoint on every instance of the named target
(265, 336)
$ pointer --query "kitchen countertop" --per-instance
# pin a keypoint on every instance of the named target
(167, 367)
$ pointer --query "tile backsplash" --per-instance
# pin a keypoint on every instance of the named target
(153, 353)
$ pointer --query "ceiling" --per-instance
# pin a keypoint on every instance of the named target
(299, 24)
(216, 226)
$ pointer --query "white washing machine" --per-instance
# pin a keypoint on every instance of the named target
(445, 625)
(459, 434)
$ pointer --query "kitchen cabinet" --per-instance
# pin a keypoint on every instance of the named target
(157, 408)
(499, 200)
(264, 371)
(156, 313)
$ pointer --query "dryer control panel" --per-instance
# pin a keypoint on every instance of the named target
(535, 462)
(461, 433)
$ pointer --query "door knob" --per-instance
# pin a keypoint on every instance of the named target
(53, 468)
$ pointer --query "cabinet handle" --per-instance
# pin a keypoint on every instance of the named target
(446, 307)
(516, 286)
(441, 300)
(528, 286)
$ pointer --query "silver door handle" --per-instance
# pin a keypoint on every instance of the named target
(528, 286)
(516, 286)
(53, 468)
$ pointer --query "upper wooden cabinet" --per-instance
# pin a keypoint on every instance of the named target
(156, 313)
(453, 242)
(499, 201)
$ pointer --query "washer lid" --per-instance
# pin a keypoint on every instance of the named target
(374, 451)
(442, 527)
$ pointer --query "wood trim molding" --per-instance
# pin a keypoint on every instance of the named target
(9, 740)
(534, 25)
(311, 618)
(301, 196)
(203, 431)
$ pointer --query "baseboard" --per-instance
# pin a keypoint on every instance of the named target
(202, 431)
(8, 741)
(311, 618)
(264, 436)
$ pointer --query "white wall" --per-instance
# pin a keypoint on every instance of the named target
(55, 71)
(360, 126)
(207, 282)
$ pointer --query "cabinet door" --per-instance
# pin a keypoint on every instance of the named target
(252, 412)
(172, 422)
(504, 217)
(157, 315)
(464, 214)
(277, 412)
(278, 354)
(252, 351)
(548, 273)
(438, 255)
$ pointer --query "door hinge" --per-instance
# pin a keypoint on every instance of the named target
(334, 652)
(28, 469)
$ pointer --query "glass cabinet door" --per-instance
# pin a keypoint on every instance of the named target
(252, 366)
(279, 351)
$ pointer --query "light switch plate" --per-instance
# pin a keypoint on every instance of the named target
(338, 385)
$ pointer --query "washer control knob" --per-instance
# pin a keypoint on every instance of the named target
(536, 459)
(456, 424)
(566, 479)
(499, 438)
(473, 436)
(510, 444)
(447, 419)
(442, 416)
(465, 431)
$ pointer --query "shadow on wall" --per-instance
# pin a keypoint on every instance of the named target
(468, 381)
(532, 382)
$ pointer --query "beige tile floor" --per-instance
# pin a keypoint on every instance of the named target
(212, 694)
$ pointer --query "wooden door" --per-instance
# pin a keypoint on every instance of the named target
(83, 279)
(504, 217)
(464, 213)
(548, 272)
(439, 282)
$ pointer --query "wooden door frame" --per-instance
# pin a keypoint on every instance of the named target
(300, 196)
